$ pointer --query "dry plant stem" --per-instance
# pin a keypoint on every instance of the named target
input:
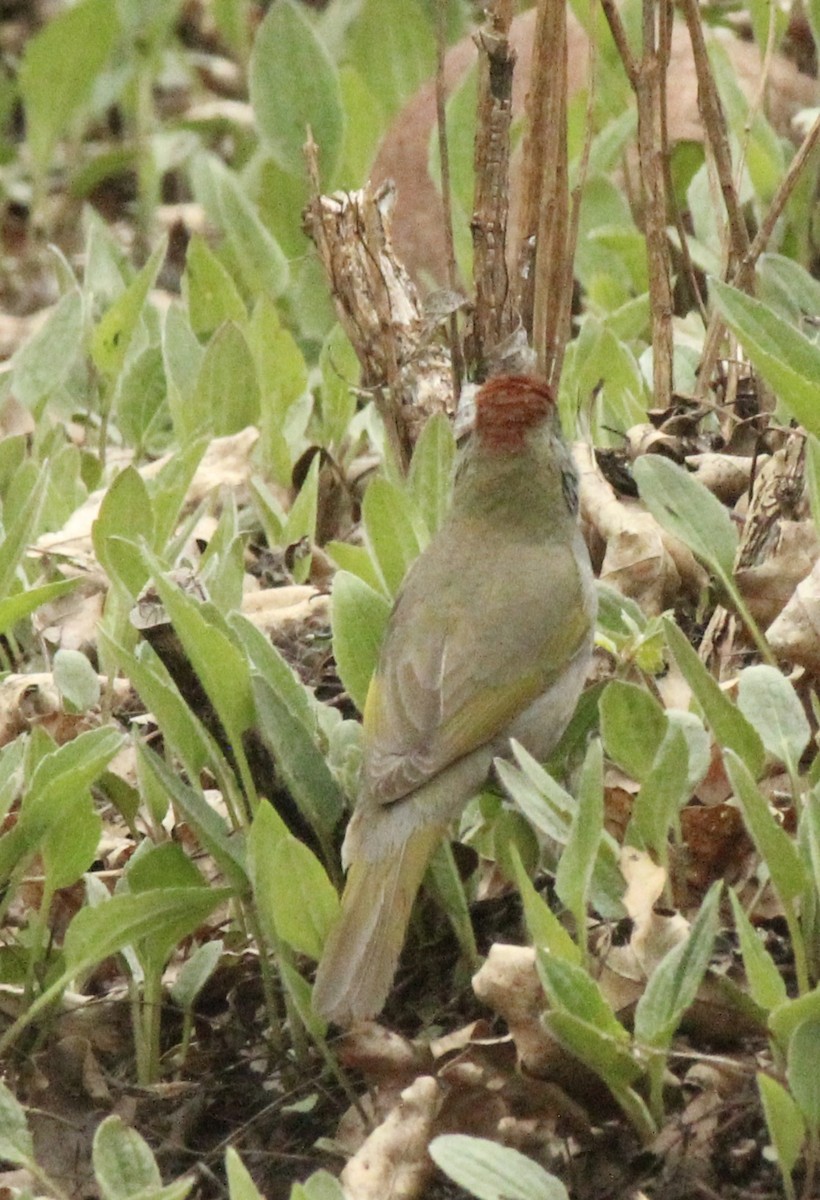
(493, 318)
(549, 302)
(648, 79)
(717, 136)
(380, 309)
(456, 357)
(717, 141)
(576, 196)
(532, 176)
(779, 202)
(652, 148)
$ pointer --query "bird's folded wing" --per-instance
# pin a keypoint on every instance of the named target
(466, 655)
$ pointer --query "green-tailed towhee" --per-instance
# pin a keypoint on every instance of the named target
(490, 639)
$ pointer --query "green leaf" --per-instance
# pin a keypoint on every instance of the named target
(226, 398)
(801, 1070)
(292, 891)
(44, 360)
(490, 1171)
(22, 527)
(240, 1183)
(430, 480)
(575, 868)
(392, 41)
(209, 292)
(16, 1143)
(125, 1167)
(15, 608)
(633, 726)
(674, 983)
(784, 1019)
(766, 983)
(64, 773)
(389, 532)
(125, 515)
(226, 848)
(340, 369)
(140, 401)
(784, 1122)
(213, 656)
(321, 1185)
(543, 927)
(259, 256)
(787, 360)
(356, 560)
(730, 727)
(124, 1164)
(663, 792)
(181, 730)
(774, 845)
(294, 85)
(112, 337)
(684, 507)
(571, 989)
(59, 70)
(813, 477)
(299, 761)
(195, 973)
(276, 671)
(771, 706)
(182, 357)
(125, 920)
(71, 842)
(359, 619)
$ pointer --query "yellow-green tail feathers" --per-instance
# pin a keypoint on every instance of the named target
(362, 951)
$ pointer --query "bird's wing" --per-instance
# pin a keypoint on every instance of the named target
(470, 645)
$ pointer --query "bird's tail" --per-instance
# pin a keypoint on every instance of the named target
(362, 951)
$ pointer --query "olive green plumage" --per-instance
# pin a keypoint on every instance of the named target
(489, 639)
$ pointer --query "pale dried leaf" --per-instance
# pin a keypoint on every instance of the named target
(795, 634)
(393, 1164)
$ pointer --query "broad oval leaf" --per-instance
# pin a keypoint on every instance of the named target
(359, 619)
(490, 1171)
(771, 705)
(801, 1070)
(688, 510)
(294, 85)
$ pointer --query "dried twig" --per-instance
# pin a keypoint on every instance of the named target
(648, 79)
(403, 360)
(549, 301)
(456, 356)
(493, 317)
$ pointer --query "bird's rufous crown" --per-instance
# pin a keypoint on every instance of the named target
(508, 407)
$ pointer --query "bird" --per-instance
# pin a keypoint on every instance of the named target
(490, 638)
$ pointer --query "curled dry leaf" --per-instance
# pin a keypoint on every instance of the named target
(769, 585)
(393, 1164)
(727, 476)
(508, 984)
(640, 559)
(795, 634)
(283, 608)
(646, 439)
(29, 700)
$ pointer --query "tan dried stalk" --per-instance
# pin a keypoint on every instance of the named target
(493, 317)
(647, 76)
